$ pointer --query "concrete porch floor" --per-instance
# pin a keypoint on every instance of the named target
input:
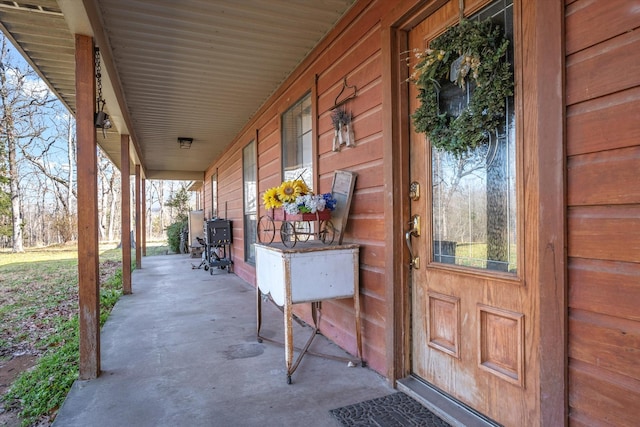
(182, 351)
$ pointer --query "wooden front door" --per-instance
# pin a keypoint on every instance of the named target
(471, 308)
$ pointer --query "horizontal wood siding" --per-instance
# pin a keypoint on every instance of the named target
(603, 199)
(352, 50)
(604, 123)
(597, 185)
(600, 398)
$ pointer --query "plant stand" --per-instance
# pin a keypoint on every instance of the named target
(311, 273)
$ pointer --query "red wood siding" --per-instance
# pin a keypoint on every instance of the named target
(603, 218)
(352, 50)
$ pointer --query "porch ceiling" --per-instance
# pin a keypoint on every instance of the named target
(189, 68)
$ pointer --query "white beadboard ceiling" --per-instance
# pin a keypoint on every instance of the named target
(191, 68)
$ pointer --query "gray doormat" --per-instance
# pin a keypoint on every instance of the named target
(395, 410)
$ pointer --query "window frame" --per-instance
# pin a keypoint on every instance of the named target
(248, 226)
(311, 176)
(214, 194)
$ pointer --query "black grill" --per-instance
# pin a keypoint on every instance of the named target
(218, 232)
(217, 244)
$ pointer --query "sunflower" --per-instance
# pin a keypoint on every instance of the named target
(289, 191)
(270, 198)
(303, 186)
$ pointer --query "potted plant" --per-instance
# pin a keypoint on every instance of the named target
(295, 205)
(293, 201)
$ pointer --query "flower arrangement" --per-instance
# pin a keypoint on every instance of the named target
(471, 52)
(294, 197)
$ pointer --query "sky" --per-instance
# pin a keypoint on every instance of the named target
(58, 152)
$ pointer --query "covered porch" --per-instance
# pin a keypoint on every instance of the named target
(181, 350)
(550, 340)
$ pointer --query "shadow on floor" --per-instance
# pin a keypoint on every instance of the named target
(182, 351)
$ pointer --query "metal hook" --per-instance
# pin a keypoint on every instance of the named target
(336, 104)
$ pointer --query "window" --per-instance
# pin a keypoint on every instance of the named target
(214, 195)
(297, 150)
(474, 196)
(249, 175)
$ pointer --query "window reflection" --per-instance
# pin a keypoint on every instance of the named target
(249, 174)
(297, 155)
(474, 196)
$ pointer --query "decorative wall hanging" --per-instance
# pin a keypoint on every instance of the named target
(472, 56)
(295, 206)
(343, 130)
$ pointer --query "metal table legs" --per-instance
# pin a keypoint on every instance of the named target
(289, 348)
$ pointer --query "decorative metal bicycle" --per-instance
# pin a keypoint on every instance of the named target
(296, 227)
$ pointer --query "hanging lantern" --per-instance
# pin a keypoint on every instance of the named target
(101, 119)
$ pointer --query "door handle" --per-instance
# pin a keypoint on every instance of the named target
(415, 232)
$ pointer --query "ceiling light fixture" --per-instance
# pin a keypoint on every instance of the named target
(185, 143)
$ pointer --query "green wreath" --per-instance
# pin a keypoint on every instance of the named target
(474, 51)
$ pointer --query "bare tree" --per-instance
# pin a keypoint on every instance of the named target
(21, 98)
(8, 134)
(71, 158)
(109, 196)
(161, 211)
(114, 184)
(5, 199)
(449, 172)
(156, 208)
(53, 160)
(32, 125)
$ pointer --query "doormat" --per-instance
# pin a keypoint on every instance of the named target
(395, 410)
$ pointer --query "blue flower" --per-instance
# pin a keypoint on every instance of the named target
(329, 201)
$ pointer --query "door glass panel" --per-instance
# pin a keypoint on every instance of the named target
(474, 195)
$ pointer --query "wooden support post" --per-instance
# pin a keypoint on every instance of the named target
(88, 253)
(138, 196)
(125, 172)
(143, 208)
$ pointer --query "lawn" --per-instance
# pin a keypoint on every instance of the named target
(475, 255)
(39, 318)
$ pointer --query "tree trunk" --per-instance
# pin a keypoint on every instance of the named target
(113, 207)
(103, 186)
(161, 204)
(9, 132)
(497, 211)
(103, 217)
(16, 215)
(71, 161)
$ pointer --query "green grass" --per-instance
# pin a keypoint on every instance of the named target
(39, 315)
(475, 255)
(157, 248)
(42, 390)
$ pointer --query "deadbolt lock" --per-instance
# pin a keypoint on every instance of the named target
(414, 191)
